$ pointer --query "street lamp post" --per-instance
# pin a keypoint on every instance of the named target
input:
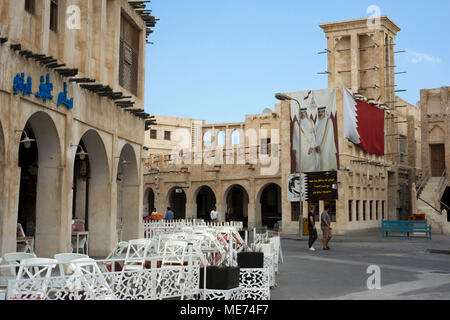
(285, 97)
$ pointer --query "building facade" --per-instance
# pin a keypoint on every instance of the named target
(434, 186)
(243, 167)
(72, 122)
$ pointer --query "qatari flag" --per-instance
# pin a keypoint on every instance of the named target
(363, 124)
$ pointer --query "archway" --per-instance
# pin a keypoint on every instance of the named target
(39, 209)
(149, 202)
(128, 215)
(91, 192)
(236, 199)
(205, 200)
(270, 200)
(176, 200)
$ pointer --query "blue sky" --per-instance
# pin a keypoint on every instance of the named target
(219, 60)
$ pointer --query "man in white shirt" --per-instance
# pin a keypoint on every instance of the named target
(214, 215)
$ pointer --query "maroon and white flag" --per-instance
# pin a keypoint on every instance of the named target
(363, 124)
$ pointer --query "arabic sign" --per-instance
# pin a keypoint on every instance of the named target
(45, 89)
(315, 186)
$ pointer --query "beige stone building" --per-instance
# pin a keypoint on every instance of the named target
(62, 158)
(434, 186)
(249, 174)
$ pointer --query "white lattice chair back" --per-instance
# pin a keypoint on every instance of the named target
(136, 254)
(163, 238)
(35, 268)
(174, 253)
(88, 276)
(119, 252)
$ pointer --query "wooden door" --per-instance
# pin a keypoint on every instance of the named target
(437, 152)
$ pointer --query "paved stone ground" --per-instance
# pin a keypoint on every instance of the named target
(409, 271)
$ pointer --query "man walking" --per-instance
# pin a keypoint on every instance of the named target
(312, 228)
(325, 224)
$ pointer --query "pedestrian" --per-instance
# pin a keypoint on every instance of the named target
(325, 224)
(169, 215)
(312, 228)
(214, 215)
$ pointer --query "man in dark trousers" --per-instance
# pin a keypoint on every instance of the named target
(325, 224)
(312, 228)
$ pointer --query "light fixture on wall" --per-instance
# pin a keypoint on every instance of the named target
(82, 154)
(26, 141)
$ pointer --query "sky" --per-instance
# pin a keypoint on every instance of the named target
(219, 60)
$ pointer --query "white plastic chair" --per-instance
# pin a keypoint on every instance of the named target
(33, 271)
(174, 253)
(64, 258)
(88, 277)
(136, 254)
(14, 259)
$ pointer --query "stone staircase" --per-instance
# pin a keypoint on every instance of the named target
(430, 194)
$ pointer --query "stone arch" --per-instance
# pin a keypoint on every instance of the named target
(177, 202)
(40, 199)
(204, 201)
(221, 138)
(437, 134)
(236, 203)
(91, 195)
(207, 139)
(236, 137)
(268, 204)
(128, 213)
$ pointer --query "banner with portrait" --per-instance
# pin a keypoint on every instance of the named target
(314, 121)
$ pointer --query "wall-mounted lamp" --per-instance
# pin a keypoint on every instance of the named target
(27, 141)
(82, 154)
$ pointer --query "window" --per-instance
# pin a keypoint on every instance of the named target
(376, 210)
(207, 139)
(350, 213)
(167, 135)
(382, 209)
(129, 55)
(221, 137)
(357, 210)
(265, 146)
(153, 134)
(364, 209)
(370, 210)
(402, 144)
(30, 6)
(332, 211)
(54, 15)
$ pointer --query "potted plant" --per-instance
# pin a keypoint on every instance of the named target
(220, 277)
(250, 259)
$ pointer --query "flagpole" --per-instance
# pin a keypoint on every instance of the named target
(285, 97)
(300, 219)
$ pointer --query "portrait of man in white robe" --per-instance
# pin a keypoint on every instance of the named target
(309, 160)
(325, 142)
